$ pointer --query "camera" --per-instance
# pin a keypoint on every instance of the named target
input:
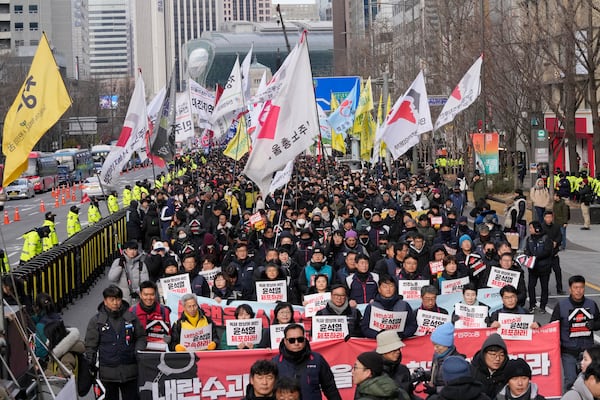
(419, 375)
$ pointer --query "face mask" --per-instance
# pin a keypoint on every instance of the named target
(452, 220)
(182, 236)
(180, 197)
(363, 241)
(490, 253)
(418, 192)
(191, 210)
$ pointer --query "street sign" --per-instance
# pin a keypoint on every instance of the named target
(437, 101)
(541, 134)
(339, 85)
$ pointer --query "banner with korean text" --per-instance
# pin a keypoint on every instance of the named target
(220, 375)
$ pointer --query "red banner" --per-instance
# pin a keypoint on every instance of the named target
(225, 374)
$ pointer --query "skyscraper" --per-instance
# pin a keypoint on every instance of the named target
(247, 10)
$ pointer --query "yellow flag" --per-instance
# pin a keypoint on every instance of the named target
(240, 143)
(337, 139)
(367, 137)
(388, 107)
(41, 101)
(365, 102)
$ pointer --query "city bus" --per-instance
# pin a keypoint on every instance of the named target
(79, 162)
(42, 171)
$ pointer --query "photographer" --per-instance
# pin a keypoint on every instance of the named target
(128, 271)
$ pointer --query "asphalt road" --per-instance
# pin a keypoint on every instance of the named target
(32, 217)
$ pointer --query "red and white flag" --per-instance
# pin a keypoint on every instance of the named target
(463, 95)
(409, 118)
(132, 138)
(289, 122)
(85, 198)
(525, 261)
(230, 104)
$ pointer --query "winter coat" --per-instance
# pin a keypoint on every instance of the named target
(311, 370)
(134, 223)
(40, 337)
(353, 318)
(492, 382)
(115, 337)
(562, 212)
(540, 197)
(202, 321)
(579, 391)
(379, 388)
(394, 303)
(530, 394)
(66, 351)
(399, 373)
(437, 378)
(128, 273)
(461, 389)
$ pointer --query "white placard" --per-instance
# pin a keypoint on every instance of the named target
(427, 321)
(578, 319)
(411, 290)
(179, 284)
(500, 277)
(243, 331)
(383, 320)
(470, 316)
(329, 327)
(271, 291)
(315, 302)
(454, 285)
(450, 250)
(276, 333)
(209, 275)
(196, 339)
(515, 326)
(436, 267)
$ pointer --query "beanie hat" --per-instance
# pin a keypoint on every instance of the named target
(537, 226)
(388, 341)
(518, 367)
(455, 367)
(351, 234)
(373, 361)
(463, 238)
(443, 335)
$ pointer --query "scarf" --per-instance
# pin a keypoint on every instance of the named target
(336, 309)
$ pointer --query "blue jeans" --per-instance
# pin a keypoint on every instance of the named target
(539, 213)
(569, 364)
(563, 232)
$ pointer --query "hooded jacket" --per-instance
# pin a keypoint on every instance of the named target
(65, 351)
(128, 273)
(530, 394)
(399, 373)
(461, 389)
(394, 303)
(492, 382)
(379, 388)
(579, 391)
(310, 369)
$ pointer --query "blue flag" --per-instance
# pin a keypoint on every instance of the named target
(342, 118)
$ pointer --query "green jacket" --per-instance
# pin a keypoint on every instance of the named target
(32, 245)
(379, 388)
(52, 239)
(478, 189)
(562, 213)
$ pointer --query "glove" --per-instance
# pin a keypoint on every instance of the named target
(430, 390)
(455, 318)
(180, 348)
(211, 346)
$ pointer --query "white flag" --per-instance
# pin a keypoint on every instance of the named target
(184, 127)
(203, 103)
(246, 74)
(154, 105)
(408, 119)
(254, 110)
(463, 95)
(275, 84)
(282, 177)
(289, 122)
(230, 104)
(132, 136)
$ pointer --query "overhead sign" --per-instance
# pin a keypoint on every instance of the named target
(339, 85)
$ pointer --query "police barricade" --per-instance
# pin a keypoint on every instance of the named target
(68, 270)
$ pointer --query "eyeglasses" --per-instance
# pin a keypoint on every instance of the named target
(338, 295)
(293, 340)
(495, 355)
(355, 367)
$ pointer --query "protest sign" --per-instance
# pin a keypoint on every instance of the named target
(315, 302)
(515, 326)
(427, 321)
(209, 275)
(179, 284)
(436, 267)
(470, 316)
(329, 327)
(454, 285)
(383, 320)
(243, 331)
(411, 290)
(276, 333)
(271, 291)
(196, 339)
(500, 277)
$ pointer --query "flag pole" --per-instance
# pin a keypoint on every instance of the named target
(281, 214)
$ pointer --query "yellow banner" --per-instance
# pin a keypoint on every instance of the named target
(365, 102)
(337, 139)
(41, 101)
(240, 143)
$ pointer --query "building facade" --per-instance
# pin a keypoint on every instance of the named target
(247, 10)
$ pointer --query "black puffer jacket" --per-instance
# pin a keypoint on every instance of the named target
(461, 389)
(492, 382)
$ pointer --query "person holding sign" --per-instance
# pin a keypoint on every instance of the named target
(243, 311)
(510, 305)
(388, 312)
(507, 263)
(197, 282)
(263, 375)
(579, 317)
(469, 298)
(193, 330)
(539, 246)
(272, 285)
(451, 272)
(338, 305)
(297, 360)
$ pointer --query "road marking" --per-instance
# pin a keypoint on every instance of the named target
(12, 254)
(595, 287)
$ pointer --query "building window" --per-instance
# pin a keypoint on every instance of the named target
(34, 42)
(33, 9)
(18, 26)
(33, 26)
(18, 9)
(19, 43)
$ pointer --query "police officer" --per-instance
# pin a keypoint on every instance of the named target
(73, 224)
(4, 263)
(32, 245)
(94, 212)
(52, 239)
(126, 195)
(137, 191)
(113, 203)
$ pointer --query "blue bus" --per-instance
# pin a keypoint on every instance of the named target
(78, 161)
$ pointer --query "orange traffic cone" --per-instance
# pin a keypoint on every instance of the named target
(64, 200)
(56, 204)
(73, 194)
(17, 216)
(6, 220)
(42, 206)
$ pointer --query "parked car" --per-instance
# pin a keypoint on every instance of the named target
(20, 189)
(2, 198)
(91, 187)
(97, 167)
